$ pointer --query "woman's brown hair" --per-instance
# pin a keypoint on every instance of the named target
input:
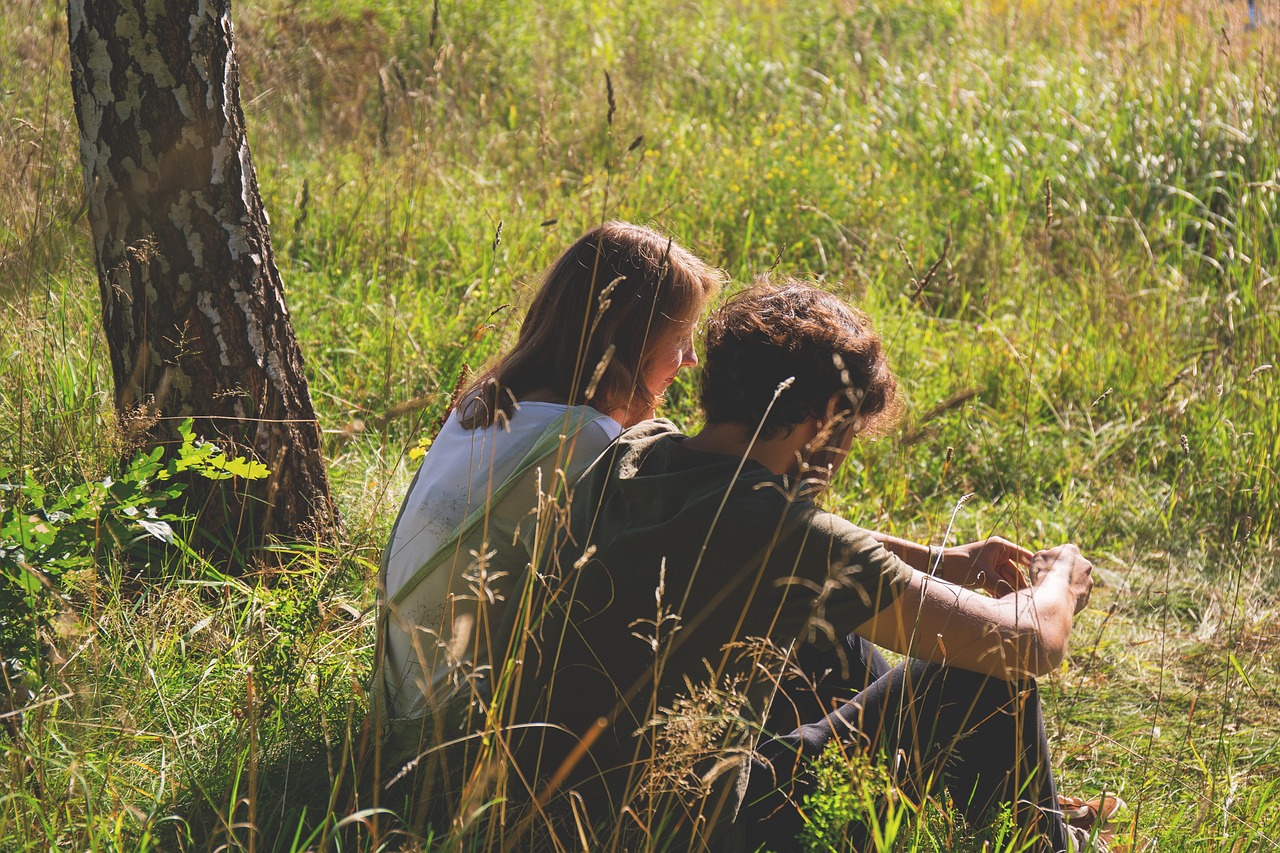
(618, 292)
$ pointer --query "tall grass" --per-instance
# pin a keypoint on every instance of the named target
(1111, 355)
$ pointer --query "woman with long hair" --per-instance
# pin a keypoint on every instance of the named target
(607, 331)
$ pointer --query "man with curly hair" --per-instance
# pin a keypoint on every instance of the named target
(706, 621)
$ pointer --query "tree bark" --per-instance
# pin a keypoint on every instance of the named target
(192, 302)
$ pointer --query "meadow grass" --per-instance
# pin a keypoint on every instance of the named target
(1092, 359)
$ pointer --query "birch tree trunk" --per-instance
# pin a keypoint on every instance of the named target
(192, 301)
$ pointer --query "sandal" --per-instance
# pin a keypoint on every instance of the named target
(1086, 814)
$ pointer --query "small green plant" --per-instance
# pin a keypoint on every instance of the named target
(852, 793)
(46, 534)
(855, 805)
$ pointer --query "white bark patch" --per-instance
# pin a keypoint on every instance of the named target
(190, 137)
(89, 160)
(128, 105)
(195, 245)
(152, 292)
(228, 80)
(199, 22)
(202, 68)
(275, 370)
(100, 66)
(202, 202)
(221, 153)
(149, 161)
(98, 69)
(127, 32)
(237, 241)
(143, 47)
(152, 62)
(75, 17)
(180, 218)
(201, 18)
(205, 302)
(246, 170)
(140, 176)
(252, 327)
(148, 69)
(183, 100)
(88, 150)
(97, 205)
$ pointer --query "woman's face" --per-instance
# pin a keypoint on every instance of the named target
(668, 359)
(660, 367)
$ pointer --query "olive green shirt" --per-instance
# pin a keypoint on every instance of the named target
(681, 569)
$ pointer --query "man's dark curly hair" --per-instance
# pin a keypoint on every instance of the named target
(772, 332)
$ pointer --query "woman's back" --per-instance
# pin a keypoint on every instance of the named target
(605, 334)
(488, 479)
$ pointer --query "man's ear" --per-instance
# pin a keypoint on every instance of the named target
(832, 407)
(831, 422)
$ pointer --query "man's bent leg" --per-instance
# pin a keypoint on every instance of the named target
(981, 735)
(984, 736)
(817, 683)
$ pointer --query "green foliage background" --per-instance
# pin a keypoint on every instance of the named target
(1092, 358)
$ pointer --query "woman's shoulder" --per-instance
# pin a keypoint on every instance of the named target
(538, 429)
(536, 417)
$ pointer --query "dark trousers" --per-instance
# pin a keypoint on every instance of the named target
(981, 737)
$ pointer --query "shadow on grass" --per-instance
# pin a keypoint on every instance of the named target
(305, 795)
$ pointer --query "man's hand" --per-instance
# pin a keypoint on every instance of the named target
(1024, 631)
(993, 564)
(1066, 563)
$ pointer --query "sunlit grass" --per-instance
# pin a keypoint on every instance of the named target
(1106, 316)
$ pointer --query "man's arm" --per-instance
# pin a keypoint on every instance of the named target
(1019, 634)
(991, 564)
